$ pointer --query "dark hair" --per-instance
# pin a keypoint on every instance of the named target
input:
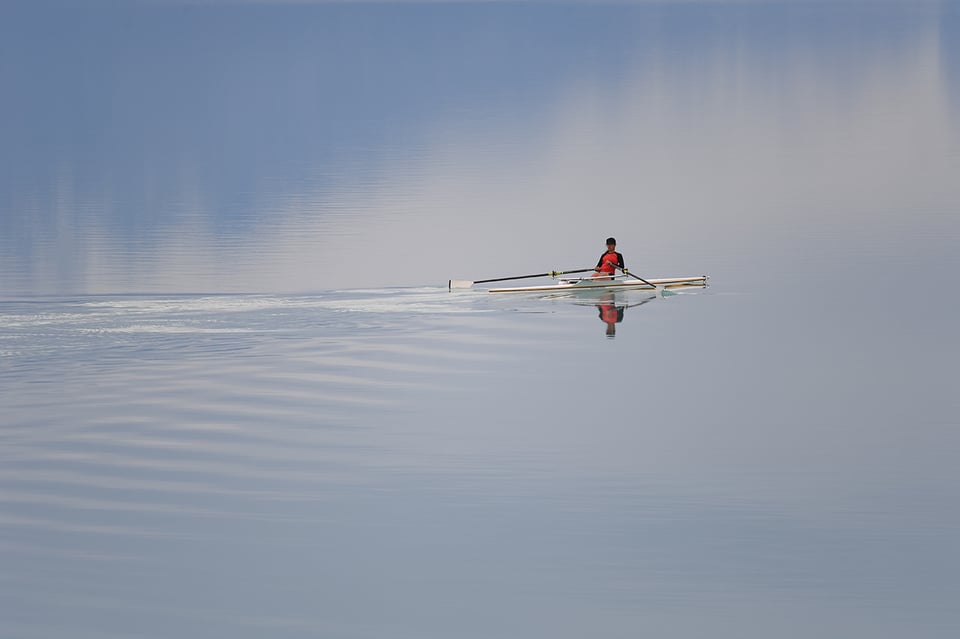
(611, 240)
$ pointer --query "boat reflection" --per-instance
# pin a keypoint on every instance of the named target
(611, 305)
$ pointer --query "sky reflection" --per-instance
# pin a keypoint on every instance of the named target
(248, 149)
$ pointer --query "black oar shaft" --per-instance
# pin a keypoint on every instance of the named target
(653, 286)
(524, 277)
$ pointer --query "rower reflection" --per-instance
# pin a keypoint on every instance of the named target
(610, 313)
(612, 305)
(611, 310)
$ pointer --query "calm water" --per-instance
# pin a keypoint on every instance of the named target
(238, 400)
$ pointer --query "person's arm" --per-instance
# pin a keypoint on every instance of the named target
(599, 264)
(620, 261)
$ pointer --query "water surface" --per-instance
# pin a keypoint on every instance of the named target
(238, 399)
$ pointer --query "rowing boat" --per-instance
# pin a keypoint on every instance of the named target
(610, 284)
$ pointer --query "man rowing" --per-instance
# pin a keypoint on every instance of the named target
(610, 261)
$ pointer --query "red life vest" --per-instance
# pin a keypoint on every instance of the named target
(609, 262)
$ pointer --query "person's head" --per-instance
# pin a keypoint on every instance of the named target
(611, 244)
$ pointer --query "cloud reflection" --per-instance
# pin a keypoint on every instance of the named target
(715, 134)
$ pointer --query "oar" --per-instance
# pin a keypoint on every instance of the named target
(452, 284)
(659, 289)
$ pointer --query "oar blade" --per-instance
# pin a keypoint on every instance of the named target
(452, 284)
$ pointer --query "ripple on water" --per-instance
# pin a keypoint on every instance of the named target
(169, 409)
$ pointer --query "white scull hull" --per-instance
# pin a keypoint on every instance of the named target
(598, 284)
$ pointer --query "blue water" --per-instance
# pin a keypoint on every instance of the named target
(237, 398)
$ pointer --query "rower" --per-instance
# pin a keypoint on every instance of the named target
(610, 261)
